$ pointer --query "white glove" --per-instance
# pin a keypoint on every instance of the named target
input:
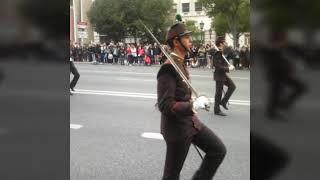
(201, 103)
(231, 67)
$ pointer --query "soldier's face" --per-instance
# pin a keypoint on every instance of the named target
(187, 41)
(222, 45)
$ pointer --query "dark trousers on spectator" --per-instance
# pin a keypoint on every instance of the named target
(135, 59)
(140, 60)
(121, 59)
(115, 59)
(102, 57)
(177, 151)
(202, 61)
(130, 59)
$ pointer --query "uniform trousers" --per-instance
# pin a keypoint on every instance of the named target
(75, 73)
(219, 88)
(177, 151)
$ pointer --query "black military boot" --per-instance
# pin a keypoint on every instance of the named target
(220, 113)
(224, 105)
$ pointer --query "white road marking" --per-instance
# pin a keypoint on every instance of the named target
(206, 76)
(153, 74)
(143, 95)
(116, 72)
(151, 135)
(75, 126)
(135, 79)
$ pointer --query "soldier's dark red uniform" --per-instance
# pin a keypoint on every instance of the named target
(221, 78)
(180, 126)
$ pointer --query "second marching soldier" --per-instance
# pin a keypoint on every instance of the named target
(180, 126)
(75, 73)
(221, 78)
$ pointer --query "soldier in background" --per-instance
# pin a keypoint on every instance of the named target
(75, 73)
(221, 78)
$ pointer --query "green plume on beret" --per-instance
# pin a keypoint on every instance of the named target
(178, 18)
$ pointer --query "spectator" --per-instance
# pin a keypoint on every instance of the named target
(129, 55)
(116, 54)
(201, 56)
(141, 53)
(134, 54)
(147, 60)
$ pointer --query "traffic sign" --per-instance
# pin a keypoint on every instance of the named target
(83, 34)
(82, 25)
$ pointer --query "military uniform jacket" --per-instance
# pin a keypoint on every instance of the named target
(221, 67)
(178, 120)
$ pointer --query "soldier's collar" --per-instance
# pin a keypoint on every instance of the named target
(177, 57)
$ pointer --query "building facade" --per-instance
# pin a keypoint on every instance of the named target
(244, 40)
(72, 23)
(193, 10)
(81, 30)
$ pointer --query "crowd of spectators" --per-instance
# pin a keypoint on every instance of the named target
(150, 54)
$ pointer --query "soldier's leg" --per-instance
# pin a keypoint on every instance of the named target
(215, 151)
(274, 94)
(176, 154)
(217, 97)
(76, 75)
(231, 87)
(298, 88)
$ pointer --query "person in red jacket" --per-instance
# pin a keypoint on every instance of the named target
(140, 55)
(147, 60)
(129, 55)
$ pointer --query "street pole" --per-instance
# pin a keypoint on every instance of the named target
(81, 16)
(75, 30)
(201, 28)
(203, 36)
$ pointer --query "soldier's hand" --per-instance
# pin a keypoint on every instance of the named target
(201, 102)
(231, 67)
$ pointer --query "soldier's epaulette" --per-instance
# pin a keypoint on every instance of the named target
(167, 68)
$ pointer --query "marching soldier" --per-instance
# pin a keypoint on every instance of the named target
(281, 75)
(75, 73)
(180, 126)
(221, 78)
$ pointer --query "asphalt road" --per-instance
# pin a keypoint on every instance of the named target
(114, 105)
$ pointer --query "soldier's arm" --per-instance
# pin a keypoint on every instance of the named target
(166, 97)
(220, 65)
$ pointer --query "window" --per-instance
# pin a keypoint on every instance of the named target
(185, 7)
(198, 6)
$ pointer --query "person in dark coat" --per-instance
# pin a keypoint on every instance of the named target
(221, 78)
(180, 126)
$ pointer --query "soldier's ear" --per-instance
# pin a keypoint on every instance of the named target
(175, 41)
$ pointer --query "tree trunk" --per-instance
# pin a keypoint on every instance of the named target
(135, 36)
(235, 37)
